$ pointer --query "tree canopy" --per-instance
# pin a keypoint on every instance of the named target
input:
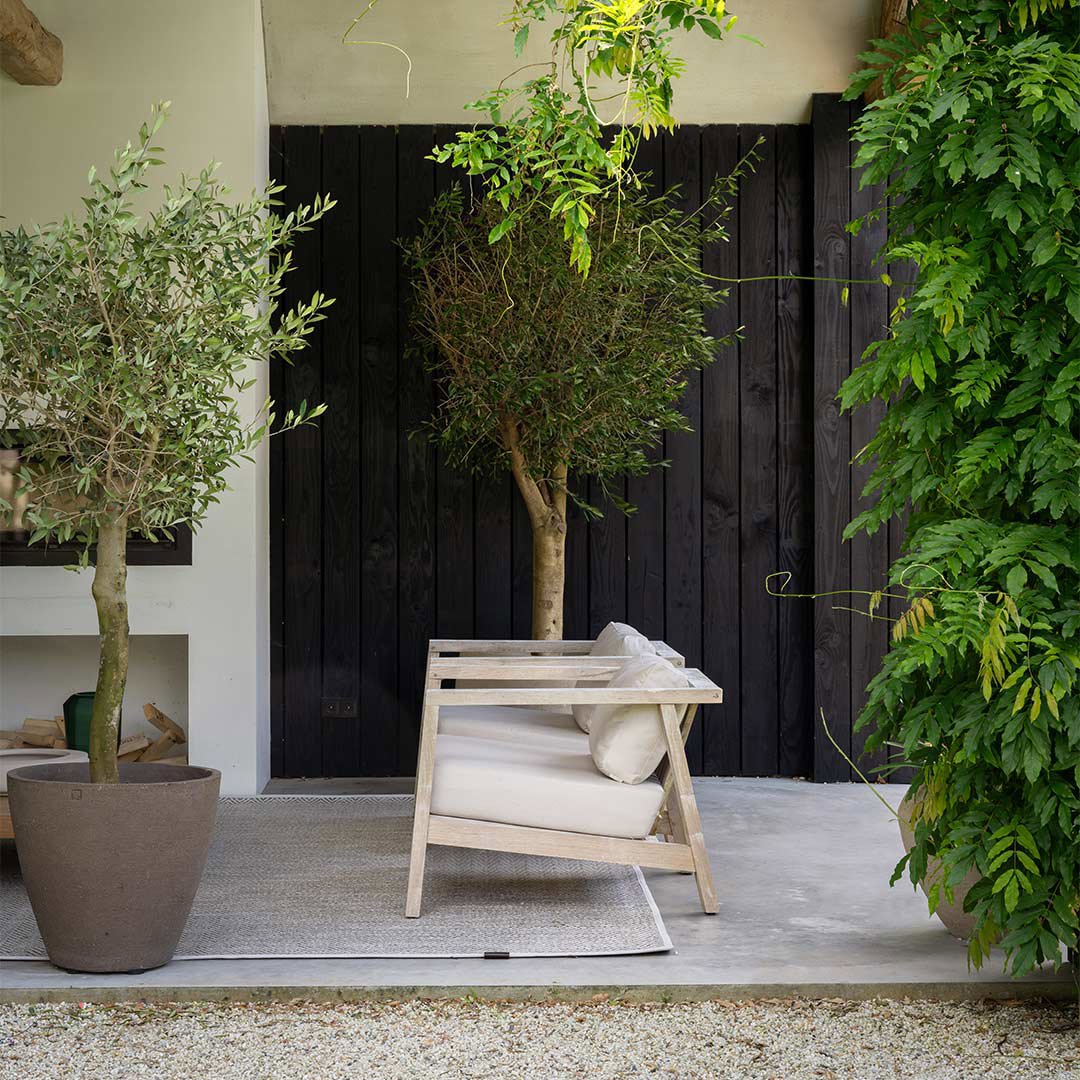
(125, 343)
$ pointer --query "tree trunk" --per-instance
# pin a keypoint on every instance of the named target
(546, 502)
(110, 596)
(549, 574)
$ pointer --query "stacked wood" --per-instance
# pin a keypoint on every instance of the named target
(131, 748)
(36, 734)
(51, 734)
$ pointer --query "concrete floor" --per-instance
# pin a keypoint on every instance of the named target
(805, 908)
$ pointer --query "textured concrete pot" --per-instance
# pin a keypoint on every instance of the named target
(957, 921)
(112, 869)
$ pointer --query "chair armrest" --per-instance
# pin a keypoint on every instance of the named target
(701, 691)
(669, 654)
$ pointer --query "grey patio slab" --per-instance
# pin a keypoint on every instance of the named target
(805, 908)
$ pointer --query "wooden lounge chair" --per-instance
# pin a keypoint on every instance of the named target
(540, 794)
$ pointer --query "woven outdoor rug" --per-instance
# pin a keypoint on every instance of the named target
(324, 876)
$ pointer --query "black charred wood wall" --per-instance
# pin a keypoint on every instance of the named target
(377, 546)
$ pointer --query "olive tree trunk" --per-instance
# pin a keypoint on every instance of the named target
(549, 575)
(546, 502)
(110, 596)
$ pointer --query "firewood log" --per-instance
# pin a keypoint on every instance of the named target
(164, 723)
(131, 747)
(164, 747)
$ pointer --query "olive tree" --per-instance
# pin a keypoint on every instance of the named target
(553, 375)
(125, 345)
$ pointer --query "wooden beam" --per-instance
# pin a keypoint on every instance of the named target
(28, 52)
(495, 836)
(894, 18)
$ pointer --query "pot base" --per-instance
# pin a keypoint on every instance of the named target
(112, 869)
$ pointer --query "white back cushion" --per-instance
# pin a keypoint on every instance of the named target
(627, 741)
(616, 639)
(620, 639)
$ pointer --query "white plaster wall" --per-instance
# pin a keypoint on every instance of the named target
(38, 674)
(459, 51)
(206, 56)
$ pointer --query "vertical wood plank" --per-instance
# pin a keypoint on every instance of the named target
(493, 553)
(721, 726)
(379, 430)
(902, 275)
(302, 481)
(278, 175)
(682, 480)
(454, 577)
(869, 554)
(340, 425)
(758, 471)
(576, 593)
(521, 569)
(795, 628)
(607, 561)
(832, 432)
(417, 510)
(607, 571)
(645, 527)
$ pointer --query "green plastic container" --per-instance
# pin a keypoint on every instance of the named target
(77, 712)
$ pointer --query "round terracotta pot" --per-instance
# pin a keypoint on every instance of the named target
(112, 869)
(957, 921)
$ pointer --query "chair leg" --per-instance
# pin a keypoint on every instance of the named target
(678, 829)
(417, 861)
(689, 821)
(425, 771)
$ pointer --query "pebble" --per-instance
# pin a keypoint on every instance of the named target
(777, 1040)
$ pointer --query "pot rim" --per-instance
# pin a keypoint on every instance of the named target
(24, 774)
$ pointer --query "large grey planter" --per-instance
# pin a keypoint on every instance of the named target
(112, 869)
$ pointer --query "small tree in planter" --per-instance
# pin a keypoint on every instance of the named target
(124, 344)
(550, 374)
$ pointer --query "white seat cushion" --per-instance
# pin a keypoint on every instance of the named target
(516, 723)
(627, 741)
(523, 784)
(616, 639)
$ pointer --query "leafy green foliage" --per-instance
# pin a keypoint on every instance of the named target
(548, 150)
(533, 359)
(125, 343)
(979, 137)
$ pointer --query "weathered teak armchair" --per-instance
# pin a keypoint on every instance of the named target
(618, 819)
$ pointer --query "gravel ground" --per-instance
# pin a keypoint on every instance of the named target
(786, 1040)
